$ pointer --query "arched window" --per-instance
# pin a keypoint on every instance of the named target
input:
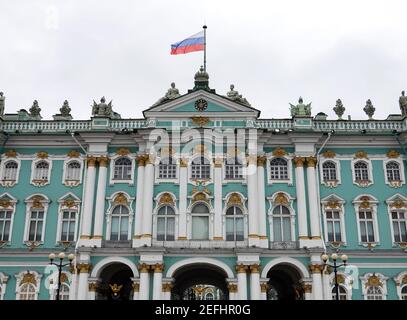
(10, 171)
(404, 293)
(342, 293)
(281, 224)
(120, 223)
(73, 171)
(41, 171)
(200, 222)
(393, 171)
(5, 223)
(234, 224)
(122, 169)
(329, 171)
(36, 224)
(233, 168)
(209, 296)
(279, 169)
(361, 171)
(64, 292)
(201, 168)
(374, 293)
(399, 224)
(27, 292)
(166, 224)
(167, 169)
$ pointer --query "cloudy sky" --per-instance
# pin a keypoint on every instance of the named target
(273, 51)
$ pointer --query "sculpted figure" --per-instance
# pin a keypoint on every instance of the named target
(235, 96)
(403, 104)
(2, 98)
(171, 94)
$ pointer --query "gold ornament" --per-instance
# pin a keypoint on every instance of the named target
(37, 202)
(311, 162)
(307, 287)
(42, 155)
(393, 154)
(398, 204)
(166, 198)
(261, 160)
(136, 286)
(93, 286)
(329, 154)
(254, 268)
(365, 202)
(64, 278)
(11, 153)
(122, 152)
(404, 280)
(83, 267)
(361, 155)
(200, 121)
(373, 281)
(281, 199)
(29, 278)
(120, 199)
(103, 161)
(158, 267)
(5, 203)
(241, 268)
(73, 154)
(333, 204)
(69, 203)
(200, 149)
(232, 288)
(167, 287)
(91, 161)
(218, 163)
(316, 268)
(143, 267)
(141, 160)
(166, 151)
(299, 161)
(279, 152)
(200, 196)
(234, 199)
(264, 286)
(115, 288)
(183, 163)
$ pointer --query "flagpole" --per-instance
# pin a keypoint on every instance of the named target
(204, 27)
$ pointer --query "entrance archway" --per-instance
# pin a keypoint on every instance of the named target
(284, 283)
(115, 282)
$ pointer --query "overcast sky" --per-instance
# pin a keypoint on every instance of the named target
(273, 51)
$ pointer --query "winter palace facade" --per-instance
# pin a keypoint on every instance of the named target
(203, 199)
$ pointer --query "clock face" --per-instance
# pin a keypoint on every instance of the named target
(201, 104)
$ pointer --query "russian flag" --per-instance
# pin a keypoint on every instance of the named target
(191, 44)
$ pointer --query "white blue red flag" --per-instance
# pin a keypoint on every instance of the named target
(191, 44)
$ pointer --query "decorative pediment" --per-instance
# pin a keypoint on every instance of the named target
(333, 202)
(120, 199)
(281, 198)
(397, 201)
(365, 202)
(7, 201)
(234, 199)
(200, 196)
(42, 155)
(69, 201)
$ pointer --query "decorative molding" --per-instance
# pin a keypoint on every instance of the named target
(73, 154)
(234, 199)
(42, 155)
(200, 149)
(232, 288)
(122, 152)
(311, 162)
(200, 196)
(183, 162)
(91, 161)
(279, 152)
(392, 154)
(218, 162)
(254, 268)
(11, 153)
(83, 267)
(316, 268)
(261, 160)
(299, 161)
(281, 199)
(241, 268)
(141, 160)
(374, 281)
(158, 268)
(361, 155)
(103, 161)
(120, 199)
(329, 154)
(29, 278)
(166, 198)
(93, 286)
(200, 121)
(144, 268)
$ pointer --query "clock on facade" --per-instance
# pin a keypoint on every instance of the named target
(201, 104)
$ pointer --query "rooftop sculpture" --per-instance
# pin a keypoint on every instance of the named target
(104, 110)
(171, 94)
(403, 104)
(235, 96)
(300, 109)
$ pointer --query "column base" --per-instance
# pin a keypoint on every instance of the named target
(311, 243)
(254, 242)
(263, 242)
(90, 243)
(141, 242)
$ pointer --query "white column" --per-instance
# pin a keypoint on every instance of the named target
(88, 201)
(183, 184)
(92, 286)
(139, 201)
(307, 291)
(241, 281)
(252, 199)
(317, 281)
(301, 201)
(166, 291)
(148, 203)
(157, 281)
(144, 282)
(326, 285)
(254, 282)
(261, 202)
(217, 235)
(83, 287)
(136, 288)
(100, 200)
(232, 287)
(263, 289)
(313, 198)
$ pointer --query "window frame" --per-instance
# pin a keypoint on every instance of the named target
(395, 183)
(209, 214)
(373, 208)
(9, 183)
(235, 217)
(29, 206)
(288, 159)
(392, 206)
(65, 180)
(211, 165)
(13, 204)
(19, 284)
(3, 285)
(362, 183)
(121, 215)
(39, 182)
(383, 279)
(113, 160)
(112, 203)
(326, 202)
(273, 203)
(347, 284)
(330, 183)
(165, 217)
(400, 285)
(242, 166)
(157, 171)
(75, 206)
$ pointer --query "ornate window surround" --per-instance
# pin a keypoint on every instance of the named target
(344, 280)
(338, 181)
(71, 183)
(377, 279)
(41, 201)
(369, 170)
(40, 183)
(7, 201)
(211, 163)
(401, 169)
(69, 201)
(4, 161)
(28, 276)
(195, 199)
(287, 157)
(113, 159)
(176, 160)
(371, 203)
(66, 279)
(116, 199)
(165, 198)
(235, 198)
(281, 198)
(398, 202)
(332, 202)
(3, 285)
(241, 156)
(401, 282)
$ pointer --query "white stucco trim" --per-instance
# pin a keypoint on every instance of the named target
(98, 268)
(341, 209)
(19, 278)
(330, 184)
(71, 183)
(401, 170)
(374, 203)
(9, 183)
(29, 202)
(199, 261)
(399, 283)
(287, 158)
(3, 285)
(155, 216)
(347, 285)
(33, 170)
(110, 209)
(289, 206)
(370, 180)
(62, 207)
(244, 211)
(113, 159)
(13, 202)
(176, 160)
(364, 280)
(286, 260)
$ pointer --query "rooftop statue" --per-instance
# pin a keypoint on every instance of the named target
(235, 96)
(65, 109)
(104, 110)
(403, 104)
(339, 109)
(300, 109)
(369, 109)
(2, 98)
(171, 94)
(35, 110)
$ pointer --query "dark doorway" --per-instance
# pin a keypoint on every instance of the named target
(115, 283)
(284, 283)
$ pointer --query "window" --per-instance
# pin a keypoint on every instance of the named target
(27, 292)
(36, 225)
(281, 224)
(166, 224)
(233, 169)
(68, 225)
(167, 169)
(361, 171)
(5, 223)
(399, 223)
(10, 171)
(374, 293)
(122, 169)
(200, 222)
(234, 224)
(73, 171)
(209, 296)
(120, 223)
(333, 224)
(41, 171)
(366, 224)
(279, 169)
(404, 293)
(393, 171)
(329, 171)
(342, 293)
(64, 292)
(201, 168)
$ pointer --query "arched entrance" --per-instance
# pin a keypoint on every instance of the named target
(200, 282)
(284, 283)
(115, 282)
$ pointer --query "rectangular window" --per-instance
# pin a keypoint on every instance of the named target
(68, 225)
(333, 223)
(399, 225)
(233, 171)
(366, 226)
(200, 228)
(36, 223)
(5, 223)
(167, 171)
(201, 171)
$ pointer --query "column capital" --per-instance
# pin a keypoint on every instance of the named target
(183, 162)
(93, 286)
(83, 267)
(167, 287)
(307, 287)
(241, 268)
(144, 268)
(254, 268)
(264, 286)
(232, 287)
(150, 160)
(299, 161)
(91, 161)
(141, 160)
(218, 162)
(261, 160)
(316, 268)
(135, 286)
(311, 162)
(103, 161)
(158, 267)
(251, 159)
